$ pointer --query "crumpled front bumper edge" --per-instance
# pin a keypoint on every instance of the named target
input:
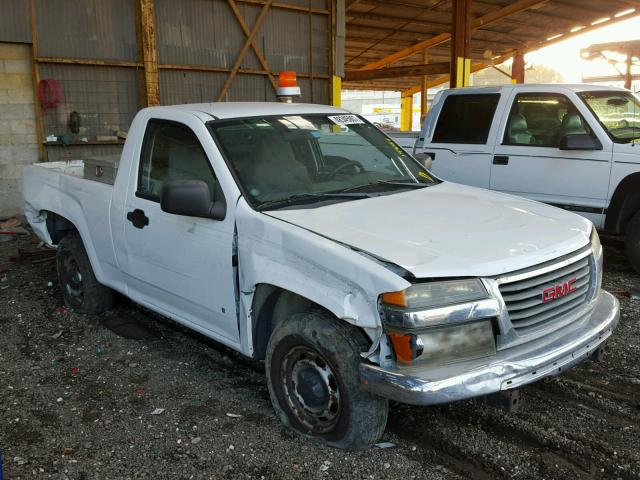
(510, 373)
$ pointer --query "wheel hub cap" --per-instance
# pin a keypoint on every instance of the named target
(311, 389)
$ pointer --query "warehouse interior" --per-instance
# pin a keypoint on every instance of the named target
(318, 239)
(73, 75)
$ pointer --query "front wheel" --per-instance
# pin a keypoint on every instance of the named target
(312, 365)
(632, 241)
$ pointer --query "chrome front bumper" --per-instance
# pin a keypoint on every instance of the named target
(509, 368)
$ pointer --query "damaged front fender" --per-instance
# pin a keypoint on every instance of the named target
(342, 280)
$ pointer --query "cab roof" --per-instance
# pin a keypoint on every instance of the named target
(544, 87)
(224, 110)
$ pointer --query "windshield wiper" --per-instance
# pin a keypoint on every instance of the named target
(302, 198)
(397, 183)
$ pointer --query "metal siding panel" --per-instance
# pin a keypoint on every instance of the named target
(91, 29)
(287, 41)
(197, 32)
(183, 86)
(321, 91)
(107, 98)
(15, 24)
(320, 44)
(249, 88)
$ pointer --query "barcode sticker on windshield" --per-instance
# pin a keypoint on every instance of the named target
(345, 120)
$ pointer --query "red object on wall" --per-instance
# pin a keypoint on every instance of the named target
(49, 93)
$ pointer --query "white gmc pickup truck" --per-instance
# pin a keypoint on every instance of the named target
(572, 146)
(303, 236)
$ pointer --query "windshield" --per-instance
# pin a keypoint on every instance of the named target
(617, 111)
(315, 158)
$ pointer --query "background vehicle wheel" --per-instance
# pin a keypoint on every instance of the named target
(313, 377)
(632, 241)
(80, 289)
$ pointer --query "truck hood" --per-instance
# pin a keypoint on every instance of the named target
(448, 230)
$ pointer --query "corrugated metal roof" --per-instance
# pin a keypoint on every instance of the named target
(378, 28)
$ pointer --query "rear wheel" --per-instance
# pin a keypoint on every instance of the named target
(632, 241)
(313, 377)
(80, 289)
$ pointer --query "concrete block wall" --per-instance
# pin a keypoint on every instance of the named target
(18, 142)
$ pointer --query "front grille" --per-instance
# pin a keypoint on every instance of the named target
(524, 296)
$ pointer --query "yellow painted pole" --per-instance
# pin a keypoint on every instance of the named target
(336, 91)
(406, 113)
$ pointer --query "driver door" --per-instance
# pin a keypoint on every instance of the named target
(179, 265)
(528, 161)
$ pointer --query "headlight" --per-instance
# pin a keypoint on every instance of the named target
(440, 322)
(436, 294)
(436, 303)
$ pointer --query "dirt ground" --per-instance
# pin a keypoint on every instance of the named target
(77, 394)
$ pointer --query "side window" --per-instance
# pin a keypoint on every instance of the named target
(466, 118)
(171, 151)
(542, 119)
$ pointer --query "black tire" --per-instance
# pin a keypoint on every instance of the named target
(80, 289)
(632, 241)
(322, 354)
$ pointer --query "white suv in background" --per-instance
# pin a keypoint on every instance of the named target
(572, 146)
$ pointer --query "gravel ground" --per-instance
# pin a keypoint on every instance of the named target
(77, 394)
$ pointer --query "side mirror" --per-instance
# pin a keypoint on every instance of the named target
(191, 198)
(579, 141)
(425, 159)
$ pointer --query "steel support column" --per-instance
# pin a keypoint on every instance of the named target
(406, 112)
(627, 73)
(460, 36)
(517, 68)
(149, 53)
(424, 86)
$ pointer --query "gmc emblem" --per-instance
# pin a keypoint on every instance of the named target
(558, 291)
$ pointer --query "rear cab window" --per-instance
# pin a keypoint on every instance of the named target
(466, 118)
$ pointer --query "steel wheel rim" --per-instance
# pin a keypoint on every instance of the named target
(311, 389)
(73, 285)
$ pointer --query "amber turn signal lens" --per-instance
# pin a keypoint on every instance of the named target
(403, 346)
(287, 79)
(395, 298)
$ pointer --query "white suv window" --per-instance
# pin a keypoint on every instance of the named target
(542, 119)
(466, 118)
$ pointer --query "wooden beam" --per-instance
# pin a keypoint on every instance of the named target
(480, 22)
(245, 49)
(395, 72)
(256, 50)
(243, 71)
(351, 4)
(149, 53)
(89, 61)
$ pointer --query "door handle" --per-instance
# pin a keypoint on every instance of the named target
(138, 218)
(501, 160)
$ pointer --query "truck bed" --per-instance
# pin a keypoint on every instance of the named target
(60, 188)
